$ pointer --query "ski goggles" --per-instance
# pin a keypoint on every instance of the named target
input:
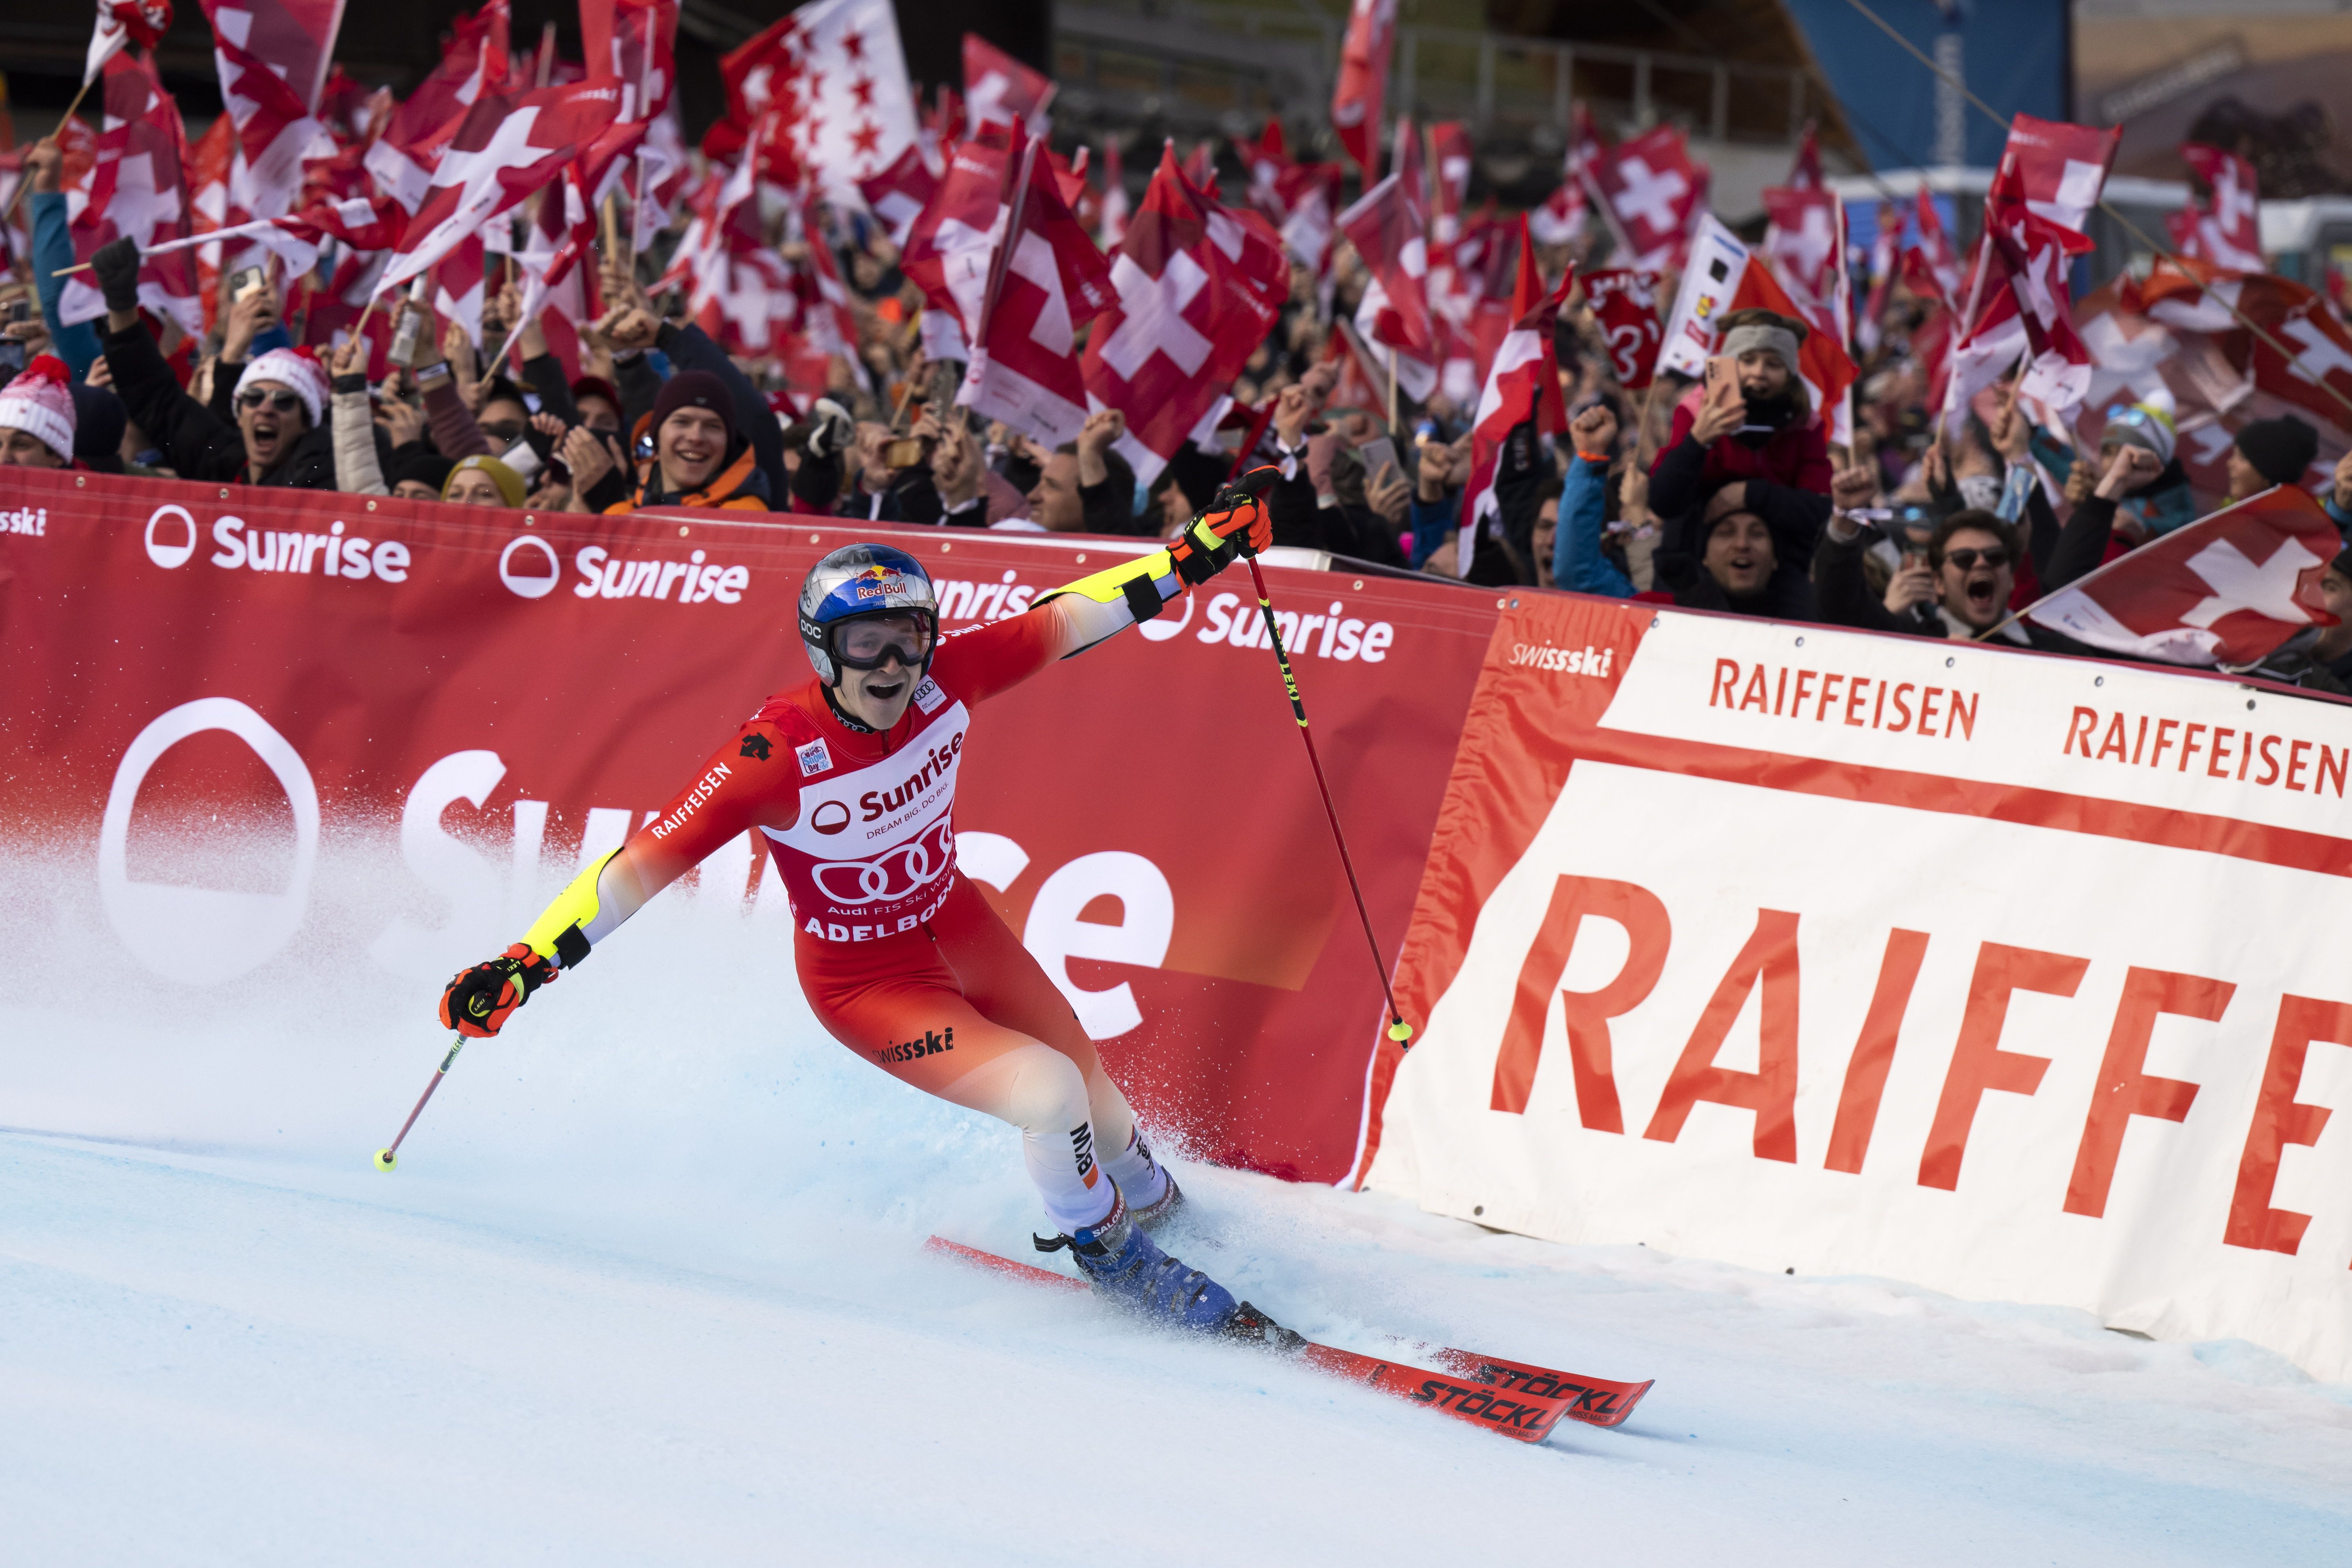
(869, 641)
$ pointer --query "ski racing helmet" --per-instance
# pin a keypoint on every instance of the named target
(858, 582)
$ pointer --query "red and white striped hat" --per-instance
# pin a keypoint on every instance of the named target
(298, 369)
(39, 401)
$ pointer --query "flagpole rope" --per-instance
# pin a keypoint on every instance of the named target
(2105, 205)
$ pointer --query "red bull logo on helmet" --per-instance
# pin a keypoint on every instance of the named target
(877, 582)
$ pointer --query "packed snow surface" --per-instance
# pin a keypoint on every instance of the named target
(649, 1288)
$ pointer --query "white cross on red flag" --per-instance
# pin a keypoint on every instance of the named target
(1199, 288)
(2309, 369)
(272, 57)
(474, 62)
(1450, 154)
(2229, 232)
(999, 89)
(138, 191)
(2226, 590)
(949, 247)
(1930, 266)
(508, 147)
(1522, 386)
(1561, 216)
(1801, 245)
(1045, 279)
(1650, 188)
(1387, 225)
(899, 193)
(1362, 86)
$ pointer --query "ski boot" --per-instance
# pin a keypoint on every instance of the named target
(1125, 1265)
(1170, 1204)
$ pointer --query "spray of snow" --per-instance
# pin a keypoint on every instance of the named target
(648, 1287)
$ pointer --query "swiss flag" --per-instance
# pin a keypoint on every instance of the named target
(272, 58)
(1357, 97)
(1199, 288)
(1522, 385)
(1450, 155)
(208, 165)
(508, 147)
(1264, 160)
(2226, 590)
(1805, 169)
(1801, 245)
(2019, 307)
(1561, 216)
(2056, 169)
(138, 190)
(1931, 267)
(1111, 232)
(1625, 302)
(1389, 232)
(999, 89)
(949, 247)
(2230, 233)
(900, 193)
(1045, 279)
(2309, 369)
(1652, 188)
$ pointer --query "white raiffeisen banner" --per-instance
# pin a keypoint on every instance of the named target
(2017, 977)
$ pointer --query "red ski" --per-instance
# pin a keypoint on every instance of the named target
(1514, 1398)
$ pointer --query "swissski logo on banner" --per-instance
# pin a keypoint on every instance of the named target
(2069, 1032)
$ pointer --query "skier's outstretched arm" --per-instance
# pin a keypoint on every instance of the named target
(735, 791)
(1072, 618)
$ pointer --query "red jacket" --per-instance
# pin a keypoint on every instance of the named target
(1797, 456)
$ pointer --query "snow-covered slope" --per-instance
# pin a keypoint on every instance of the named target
(648, 1287)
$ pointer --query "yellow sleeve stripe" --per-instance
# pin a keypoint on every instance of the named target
(1109, 587)
(577, 905)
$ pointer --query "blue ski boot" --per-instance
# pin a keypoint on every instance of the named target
(1126, 1266)
(1170, 1202)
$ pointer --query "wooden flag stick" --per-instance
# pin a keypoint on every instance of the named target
(25, 184)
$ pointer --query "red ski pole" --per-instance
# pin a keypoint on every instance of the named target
(1399, 1030)
(388, 1158)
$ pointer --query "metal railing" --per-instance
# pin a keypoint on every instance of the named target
(1203, 61)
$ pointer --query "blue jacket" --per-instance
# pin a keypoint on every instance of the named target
(1577, 562)
(1433, 524)
(52, 249)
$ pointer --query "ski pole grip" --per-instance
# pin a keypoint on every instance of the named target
(1258, 481)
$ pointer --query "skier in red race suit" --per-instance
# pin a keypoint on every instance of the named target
(851, 779)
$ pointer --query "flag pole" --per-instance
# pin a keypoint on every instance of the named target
(24, 185)
(1392, 392)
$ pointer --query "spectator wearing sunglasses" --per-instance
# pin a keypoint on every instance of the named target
(1961, 588)
(281, 436)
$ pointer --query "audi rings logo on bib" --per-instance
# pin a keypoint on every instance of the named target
(893, 876)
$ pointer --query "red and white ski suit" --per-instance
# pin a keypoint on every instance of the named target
(900, 957)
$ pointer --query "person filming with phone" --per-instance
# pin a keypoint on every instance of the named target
(278, 399)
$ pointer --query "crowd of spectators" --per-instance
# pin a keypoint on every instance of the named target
(1722, 494)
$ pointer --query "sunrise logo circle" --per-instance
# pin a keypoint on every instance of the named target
(830, 817)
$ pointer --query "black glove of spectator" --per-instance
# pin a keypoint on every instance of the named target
(116, 267)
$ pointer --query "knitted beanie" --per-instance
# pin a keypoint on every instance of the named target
(297, 369)
(39, 401)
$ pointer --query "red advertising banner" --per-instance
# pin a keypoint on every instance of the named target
(210, 685)
(2017, 977)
